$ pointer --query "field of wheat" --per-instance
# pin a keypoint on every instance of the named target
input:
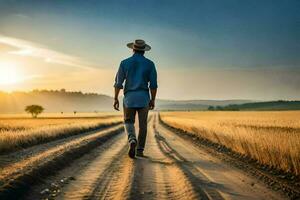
(272, 138)
(19, 132)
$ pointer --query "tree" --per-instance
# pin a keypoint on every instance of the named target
(211, 108)
(34, 110)
(219, 108)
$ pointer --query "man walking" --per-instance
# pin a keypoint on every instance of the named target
(140, 75)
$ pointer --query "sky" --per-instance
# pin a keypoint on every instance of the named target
(203, 49)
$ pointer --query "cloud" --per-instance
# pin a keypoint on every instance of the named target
(22, 16)
(4, 48)
(26, 48)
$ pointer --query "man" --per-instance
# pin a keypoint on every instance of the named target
(140, 75)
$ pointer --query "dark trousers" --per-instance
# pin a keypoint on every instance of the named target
(129, 120)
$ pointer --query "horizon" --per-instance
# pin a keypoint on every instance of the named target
(160, 99)
(210, 50)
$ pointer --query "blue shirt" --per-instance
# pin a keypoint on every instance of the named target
(139, 74)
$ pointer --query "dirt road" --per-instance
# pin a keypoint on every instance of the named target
(173, 168)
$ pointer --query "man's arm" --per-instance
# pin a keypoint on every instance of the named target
(153, 87)
(120, 77)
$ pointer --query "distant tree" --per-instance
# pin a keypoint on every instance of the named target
(75, 112)
(61, 112)
(219, 108)
(211, 108)
(232, 107)
(34, 110)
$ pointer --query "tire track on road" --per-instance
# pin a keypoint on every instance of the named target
(107, 176)
(201, 185)
(156, 176)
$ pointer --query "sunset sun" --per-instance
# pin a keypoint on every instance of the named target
(8, 75)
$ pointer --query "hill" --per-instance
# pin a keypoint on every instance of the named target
(55, 101)
(65, 101)
(270, 105)
(195, 104)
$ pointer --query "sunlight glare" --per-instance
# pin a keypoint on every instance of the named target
(8, 74)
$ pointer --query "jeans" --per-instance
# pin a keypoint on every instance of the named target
(129, 120)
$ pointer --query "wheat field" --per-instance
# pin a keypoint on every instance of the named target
(272, 138)
(19, 132)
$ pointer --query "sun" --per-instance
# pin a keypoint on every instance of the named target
(8, 74)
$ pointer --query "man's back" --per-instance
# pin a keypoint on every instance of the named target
(139, 74)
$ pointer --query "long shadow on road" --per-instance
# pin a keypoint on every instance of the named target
(205, 188)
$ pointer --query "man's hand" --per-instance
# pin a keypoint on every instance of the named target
(116, 104)
(152, 101)
(151, 104)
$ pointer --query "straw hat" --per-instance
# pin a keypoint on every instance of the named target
(139, 45)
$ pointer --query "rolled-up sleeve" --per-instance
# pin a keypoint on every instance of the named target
(153, 78)
(120, 77)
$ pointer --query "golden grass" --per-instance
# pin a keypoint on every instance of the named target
(16, 133)
(272, 138)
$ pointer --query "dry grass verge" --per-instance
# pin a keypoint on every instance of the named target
(17, 184)
(20, 133)
(271, 138)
